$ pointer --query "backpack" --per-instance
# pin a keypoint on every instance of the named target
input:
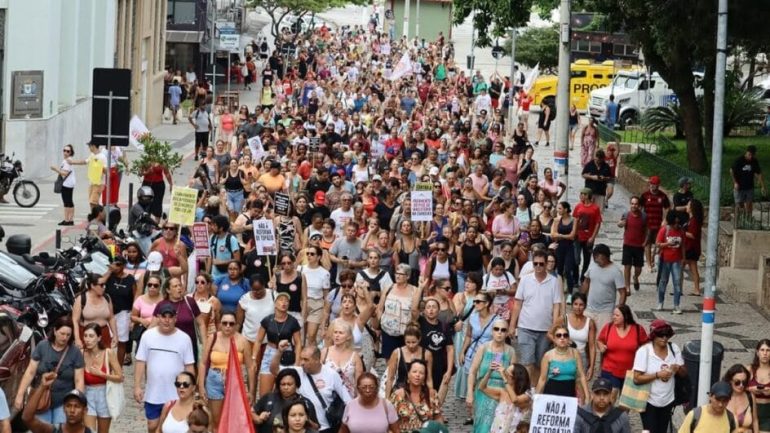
(696, 413)
(599, 424)
(552, 115)
(228, 243)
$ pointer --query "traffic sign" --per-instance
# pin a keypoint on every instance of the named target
(497, 52)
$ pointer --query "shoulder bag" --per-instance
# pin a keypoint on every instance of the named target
(682, 387)
(634, 397)
(45, 400)
(114, 391)
(59, 183)
(333, 411)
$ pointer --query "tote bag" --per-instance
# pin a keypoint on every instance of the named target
(114, 391)
(634, 397)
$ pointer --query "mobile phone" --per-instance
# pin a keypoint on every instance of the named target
(498, 358)
(760, 386)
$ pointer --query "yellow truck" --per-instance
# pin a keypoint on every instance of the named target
(585, 77)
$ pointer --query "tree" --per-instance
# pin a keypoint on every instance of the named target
(277, 10)
(493, 18)
(537, 45)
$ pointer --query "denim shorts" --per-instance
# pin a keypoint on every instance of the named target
(97, 401)
(532, 346)
(267, 358)
(54, 415)
(235, 201)
(152, 411)
(617, 382)
(215, 384)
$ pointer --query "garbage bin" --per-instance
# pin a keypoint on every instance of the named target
(470, 60)
(691, 356)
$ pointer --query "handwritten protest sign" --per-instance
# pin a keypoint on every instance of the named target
(553, 414)
(422, 201)
(282, 204)
(264, 237)
(183, 201)
(200, 233)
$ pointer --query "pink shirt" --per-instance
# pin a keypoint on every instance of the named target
(375, 420)
(480, 183)
(503, 225)
(145, 308)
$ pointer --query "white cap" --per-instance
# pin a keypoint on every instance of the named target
(377, 177)
(154, 260)
(434, 171)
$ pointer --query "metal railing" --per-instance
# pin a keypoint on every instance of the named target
(758, 220)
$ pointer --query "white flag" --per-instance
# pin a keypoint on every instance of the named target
(531, 77)
(403, 68)
(136, 129)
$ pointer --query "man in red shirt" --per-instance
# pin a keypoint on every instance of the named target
(655, 204)
(588, 218)
(670, 241)
(634, 240)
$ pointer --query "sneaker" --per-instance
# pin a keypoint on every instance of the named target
(676, 311)
(68, 223)
(659, 307)
(547, 144)
(636, 285)
(569, 299)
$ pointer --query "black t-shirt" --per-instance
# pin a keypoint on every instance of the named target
(274, 403)
(435, 339)
(121, 292)
(681, 199)
(314, 185)
(384, 213)
(599, 187)
(277, 331)
(744, 171)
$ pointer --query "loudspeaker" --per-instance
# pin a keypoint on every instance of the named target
(119, 82)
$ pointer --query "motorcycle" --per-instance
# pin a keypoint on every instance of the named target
(25, 192)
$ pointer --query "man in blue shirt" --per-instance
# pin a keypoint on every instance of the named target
(175, 97)
(611, 114)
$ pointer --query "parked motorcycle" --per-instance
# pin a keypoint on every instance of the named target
(25, 192)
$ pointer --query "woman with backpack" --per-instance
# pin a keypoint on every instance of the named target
(94, 306)
(376, 278)
(440, 266)
(618, 342)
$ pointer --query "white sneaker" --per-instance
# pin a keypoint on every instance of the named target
(569, 299)
(676, 311)
(659, 307)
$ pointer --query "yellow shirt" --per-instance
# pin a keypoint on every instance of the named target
(96, 164)
(707, 423)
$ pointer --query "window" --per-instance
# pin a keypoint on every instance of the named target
(595, 47)
(599, 76)
(181, 11)
(643, 84)
(578, 74)
(581, 45)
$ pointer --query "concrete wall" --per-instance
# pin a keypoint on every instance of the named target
(434, 17)
(748, 245)
(65, 40)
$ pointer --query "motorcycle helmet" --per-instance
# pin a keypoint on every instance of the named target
(145, 195)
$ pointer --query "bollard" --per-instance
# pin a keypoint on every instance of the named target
(130, 196)
(58, 239)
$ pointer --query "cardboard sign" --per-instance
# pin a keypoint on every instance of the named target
(183, 201)
(553, 414)
(200, 234)
(256, 148)
(422, 201)
(282, 204)
(264, 237)
(315, 144)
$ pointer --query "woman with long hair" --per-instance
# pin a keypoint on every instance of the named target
(233, 181)
(563, 232)
(252, 308)
(514, 398)
(207, 301)
(102, 365)
(231, 287)
(491, 356)
(316, 283)
(92, 306)
(289, 231)
(692, 242)
(143, 309)
(368, 412)
(561, 369)
(759, 383)
(266, 412)
(399, 360)
(416, 403)
(477, 333)
(341, 356)
(58, 348)
(406, 250)
(553, 189)
(742, 405)
(353, 305)
(276, 327)
(618, 342)
(67, 172)
(439, 341)
(589, 140)
(397, 308)
(582, 332)
(296, 419)
(375, 277)
(188, 315)
(212, 371)
(174, 415)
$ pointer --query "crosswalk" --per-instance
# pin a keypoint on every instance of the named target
(11, 213)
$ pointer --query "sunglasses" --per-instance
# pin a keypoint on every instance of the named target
(183, 385)
(98, 284)
(740, 382)
(169, 228)
(286, 263)
(561, 335)
(401, 273)
(154, 284)
(479, 301)
(664, 334)
(227, 323)
(441, 249)
(67, 151)
(200, 282)
(496, 329)
(538, 263)
(346, 286)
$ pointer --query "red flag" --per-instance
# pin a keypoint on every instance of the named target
(236, 413)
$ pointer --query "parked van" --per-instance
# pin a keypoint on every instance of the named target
(635, 91)
(585, 77)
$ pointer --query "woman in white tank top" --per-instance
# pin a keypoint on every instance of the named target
(582, 331)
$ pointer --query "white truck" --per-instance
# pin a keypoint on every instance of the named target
(635, 91)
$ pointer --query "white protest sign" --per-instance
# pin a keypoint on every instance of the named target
(422, 201)
(136, 130)
(264, 237)
(553, 414)
(255, 145)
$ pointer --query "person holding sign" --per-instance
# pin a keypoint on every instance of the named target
(600, 413)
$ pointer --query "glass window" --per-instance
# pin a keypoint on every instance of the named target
(595, 47)
(181, 11)
(578, 74)
(599, 76)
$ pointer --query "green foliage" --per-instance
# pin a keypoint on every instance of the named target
(155, 153)
(537, 45)
(493, 18)
(660, 119)
(279, 9)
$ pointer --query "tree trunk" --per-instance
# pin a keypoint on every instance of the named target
(696, 153)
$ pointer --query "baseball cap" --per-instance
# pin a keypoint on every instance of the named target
(432, 427)
(433, 171)
(154, 260)
(316, 236)
(721, 389)
(602, 384)
(684, 180)
(587, 191)
(319, 198)
(75, 393)
(166, 308)
(279, 294)
(654, 180)
(376, 178)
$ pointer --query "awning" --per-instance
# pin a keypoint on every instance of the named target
(184, 36)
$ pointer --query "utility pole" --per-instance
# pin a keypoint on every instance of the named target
(472, 57)
(407, 6)
(561, 147)
(213, 65)
(511, 104)
(417, 22)
(709, 302)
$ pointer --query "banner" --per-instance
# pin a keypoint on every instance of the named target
(257, 151)
(422, 201)
(282, 204)
(137, 129)
(403, 67)
(236, 413)
(553, 414)
(183, 201)
(530, 78)
(264, 237)
(200, 234)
